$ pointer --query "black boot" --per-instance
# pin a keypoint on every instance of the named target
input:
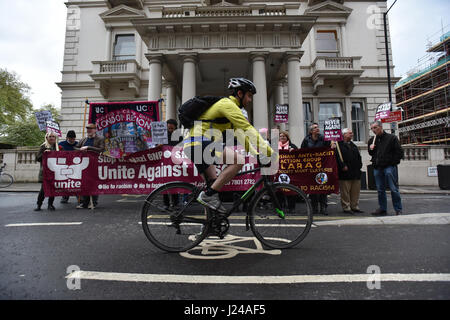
(38, 208)
(51, 207)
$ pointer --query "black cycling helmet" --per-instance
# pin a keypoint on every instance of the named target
(241, 84)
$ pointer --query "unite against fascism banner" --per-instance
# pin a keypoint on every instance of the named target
(126, 126)
(88, 173)
(313, 170)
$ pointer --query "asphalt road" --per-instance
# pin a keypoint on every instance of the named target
(104, 254)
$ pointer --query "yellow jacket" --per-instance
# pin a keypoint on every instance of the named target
(228, 108)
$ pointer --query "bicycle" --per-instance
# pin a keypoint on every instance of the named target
(5, 178)
(181, 225)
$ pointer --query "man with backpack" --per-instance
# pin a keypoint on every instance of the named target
(201, 144)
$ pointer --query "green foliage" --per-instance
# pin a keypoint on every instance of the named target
(18, 124)
(14, 102)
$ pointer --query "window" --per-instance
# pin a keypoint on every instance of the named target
(358, 122)
(124, 47)
(308, 116)
(328, 110)
(327, 43)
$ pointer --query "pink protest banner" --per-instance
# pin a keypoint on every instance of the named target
(313, 170)
(88, 173)
(332, 130)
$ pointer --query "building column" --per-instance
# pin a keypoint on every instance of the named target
(155, 77)
(312, 44)
(108, 46)
(296, 116)
(189, 79)
(138, 41)
(171, 108)
(344, 50)
(348, 114)
(279, 98)
(260, 111)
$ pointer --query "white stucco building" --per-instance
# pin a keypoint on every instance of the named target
(323, 58)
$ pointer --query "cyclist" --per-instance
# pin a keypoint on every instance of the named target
(200, 138)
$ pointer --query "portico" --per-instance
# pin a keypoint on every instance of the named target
(189, 57)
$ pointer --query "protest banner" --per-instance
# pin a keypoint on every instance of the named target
(126, 126)
(281, 113)
(393, 117)
(52, 126)
(42, 117)
(313, 170)
(88, 173)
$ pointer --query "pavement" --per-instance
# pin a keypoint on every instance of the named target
(35, 187)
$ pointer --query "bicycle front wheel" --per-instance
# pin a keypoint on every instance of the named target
(6, 180)
(172, 218)
(284, 227)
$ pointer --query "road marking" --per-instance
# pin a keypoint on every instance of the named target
(43, 224)
(210, 279)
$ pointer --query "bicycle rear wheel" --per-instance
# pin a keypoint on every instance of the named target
(267, 222)
(6, 180)
(172, 219)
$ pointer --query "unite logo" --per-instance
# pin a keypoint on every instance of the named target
(65, 175)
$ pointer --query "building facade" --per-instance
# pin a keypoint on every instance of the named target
(424, 98)
(322, 58)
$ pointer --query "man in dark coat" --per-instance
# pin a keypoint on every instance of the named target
(386, 154)
(92, 142)
(349, 169)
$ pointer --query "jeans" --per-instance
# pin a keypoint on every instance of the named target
(389, 175)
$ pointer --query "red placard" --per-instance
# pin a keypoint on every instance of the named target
(394, 116)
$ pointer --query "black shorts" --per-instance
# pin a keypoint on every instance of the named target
(210, 146)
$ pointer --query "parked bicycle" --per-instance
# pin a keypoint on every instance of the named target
(279, 215)
(5, 178)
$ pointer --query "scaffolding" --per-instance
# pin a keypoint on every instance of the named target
(423, 97)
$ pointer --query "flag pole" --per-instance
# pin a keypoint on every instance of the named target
(86, 102)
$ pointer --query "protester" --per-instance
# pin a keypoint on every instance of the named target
(68, 145)
(315, 140)
(50, 144)
(386, 154)
(349, 170)
(284, 143)
(172, 125)
(90, 143)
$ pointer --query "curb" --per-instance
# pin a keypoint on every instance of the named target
(411, 219)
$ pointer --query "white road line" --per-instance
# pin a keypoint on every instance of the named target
(236, 224)
(208, 279)
(43, 224)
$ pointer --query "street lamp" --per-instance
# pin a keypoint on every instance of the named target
(387, 59)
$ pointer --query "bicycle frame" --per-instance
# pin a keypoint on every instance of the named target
(244, 198)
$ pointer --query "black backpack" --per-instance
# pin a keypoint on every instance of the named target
(192, 109)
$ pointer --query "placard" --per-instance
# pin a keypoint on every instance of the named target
(159, 132)
(52, 126)
(332, 130)
(281, 113)
(42, 117)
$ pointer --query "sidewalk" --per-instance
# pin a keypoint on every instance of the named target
(35, 187)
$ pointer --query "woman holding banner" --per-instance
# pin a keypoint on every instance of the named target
(50, 144)
(316, 140)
